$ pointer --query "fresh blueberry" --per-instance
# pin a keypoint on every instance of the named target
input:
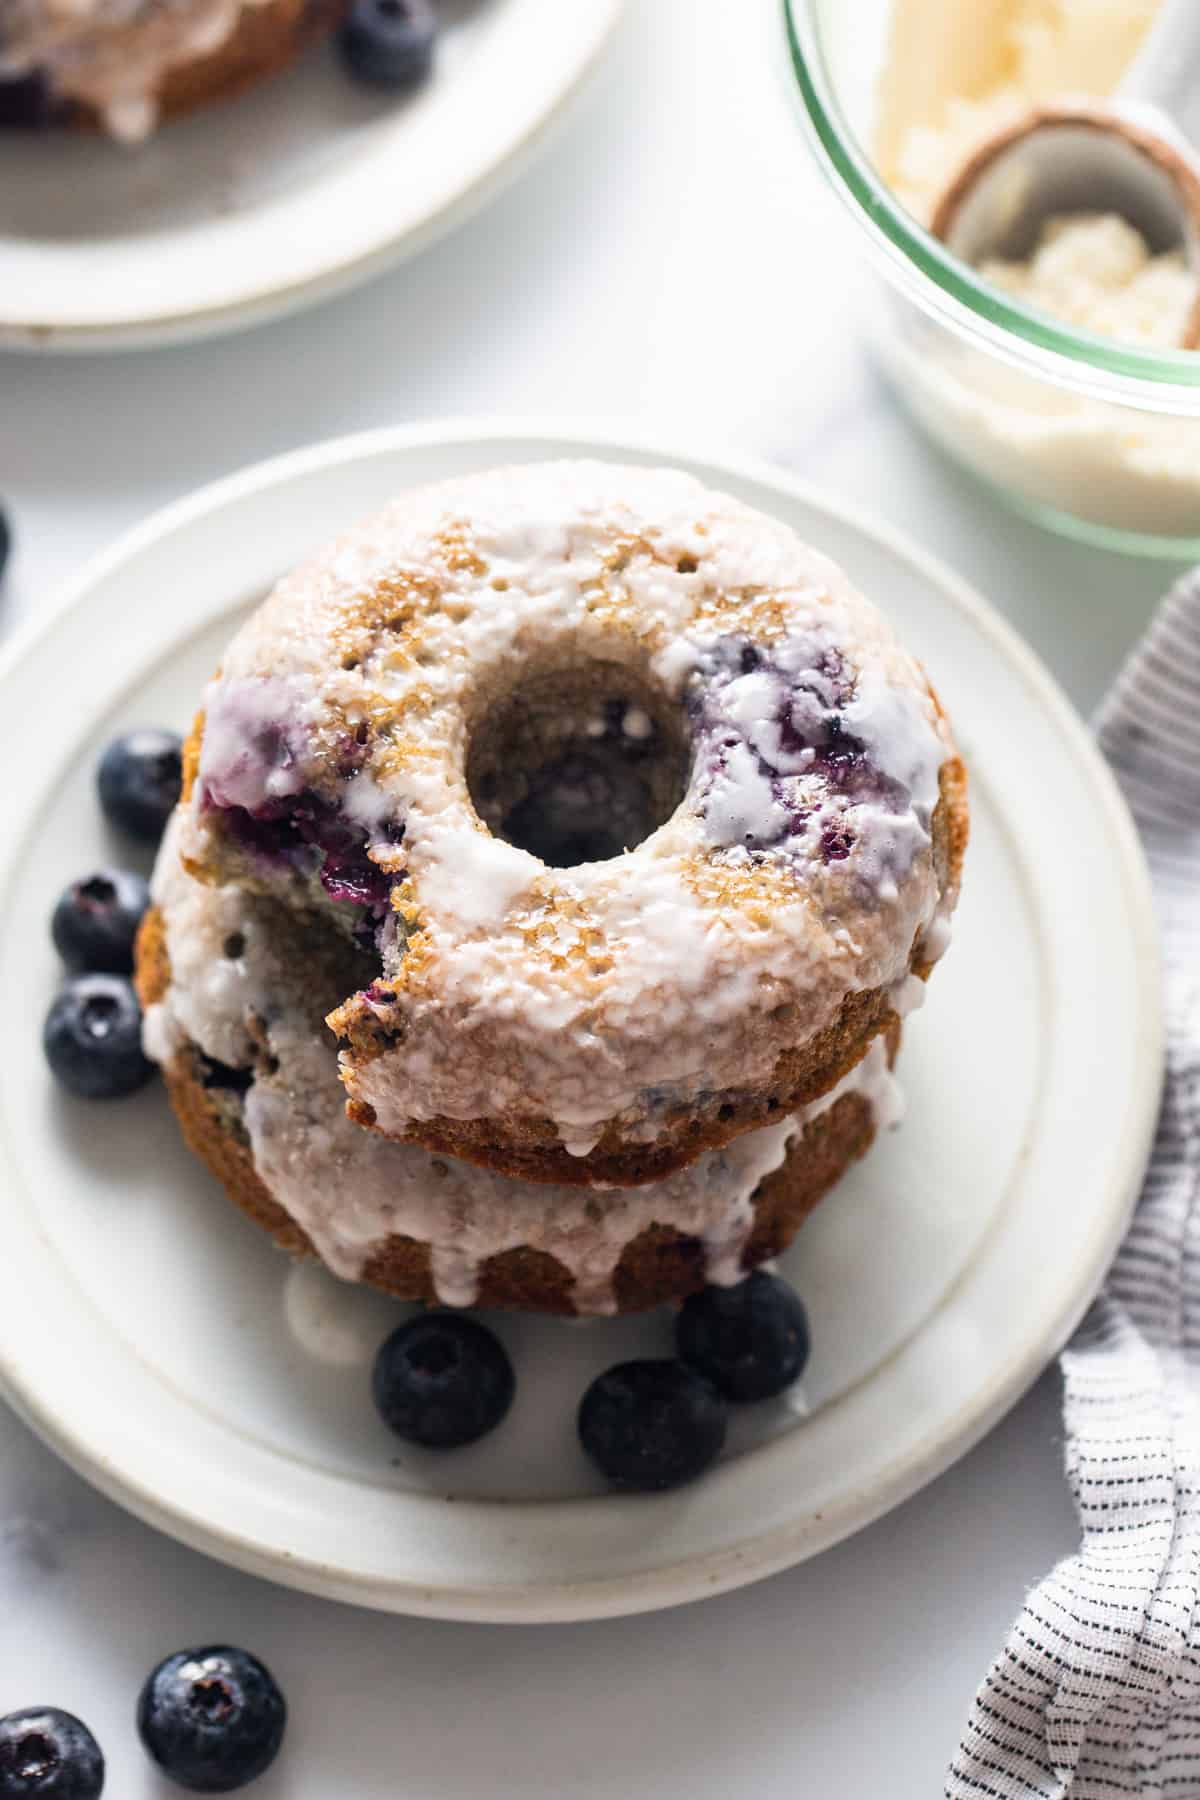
(46, 1754)
(389, 43)
(93, 1037)
(96, 920)
(139, 780)
(5, 541)
(751, 1341)
(442, 1380)
(652, 1425)
(26, 103)
(212, 1719)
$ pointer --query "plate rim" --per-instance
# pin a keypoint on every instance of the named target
(702, 1572)
(27, 336)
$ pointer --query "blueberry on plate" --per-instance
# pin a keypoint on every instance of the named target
(752, 1340)
(139, 779)
(389, 43)
(212, 1719)
(96, 920)
(46, 1754)
(26, 104)
(652, 1425)
(93, 1037)
(442, 1381)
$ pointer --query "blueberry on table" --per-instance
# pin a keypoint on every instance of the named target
(139, 779)
(212, 1719)
(389, 43)
(442, 1381)
(93, 1038)
(752, 1340)
(652, 1425)
(46, 1754)
(96, 920)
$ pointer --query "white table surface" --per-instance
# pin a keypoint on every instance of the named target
(673, 260)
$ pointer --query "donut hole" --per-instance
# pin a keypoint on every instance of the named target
(578, 763)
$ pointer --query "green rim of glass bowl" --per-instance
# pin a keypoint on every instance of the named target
(855, 179)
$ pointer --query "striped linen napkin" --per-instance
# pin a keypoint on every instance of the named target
(1096, 1694)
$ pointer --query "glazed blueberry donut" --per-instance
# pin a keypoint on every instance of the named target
(642, 813)
(235, 987)
(122, 65)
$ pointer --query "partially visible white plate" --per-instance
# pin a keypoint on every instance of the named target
(157, 1340)
(283, 196)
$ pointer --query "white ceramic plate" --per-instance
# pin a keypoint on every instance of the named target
(161, 1344)
(290, 193)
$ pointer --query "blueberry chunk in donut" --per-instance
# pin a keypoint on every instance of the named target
(796, 760)
(281, 824)
(646, 815)
(310, 834)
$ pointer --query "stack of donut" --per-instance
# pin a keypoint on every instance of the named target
(559, 853)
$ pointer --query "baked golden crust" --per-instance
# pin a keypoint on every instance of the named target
(266, 40)
(951, 830)
(530, 1150)
(660, 1264)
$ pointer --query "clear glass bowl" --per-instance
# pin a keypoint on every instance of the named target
(1086, 436)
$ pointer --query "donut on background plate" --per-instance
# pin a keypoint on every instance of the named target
(644, 822)
(123, 65)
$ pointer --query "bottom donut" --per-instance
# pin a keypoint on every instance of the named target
(235, 990)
